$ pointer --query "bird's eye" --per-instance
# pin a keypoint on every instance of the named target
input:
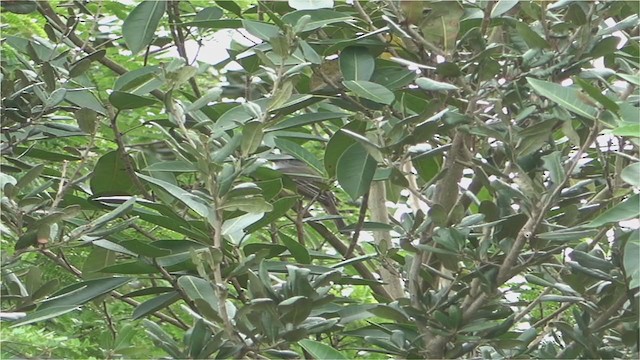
(426, 11)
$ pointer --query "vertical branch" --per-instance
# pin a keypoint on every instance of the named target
(378, 207)
(173, 10)
(220, 285)
(359, 224)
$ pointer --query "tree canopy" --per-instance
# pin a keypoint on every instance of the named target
(320, 179)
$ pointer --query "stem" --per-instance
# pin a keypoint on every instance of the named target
(220, 284)
(77, 273)
(356, 231)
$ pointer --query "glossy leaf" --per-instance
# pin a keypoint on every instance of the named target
(155, 304)
(631, 260)
(139, 27)
(321, 351)
(310, 4)
(432, 85)
(73, 296)
(300, 153)
(370, 91)
(111, 176)
(628, 209)
(355, 170)
(123, 100)
(356, 63)
(631, 174)
(566, 97)
(179, 194)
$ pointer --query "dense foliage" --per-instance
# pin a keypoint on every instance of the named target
(310, 179)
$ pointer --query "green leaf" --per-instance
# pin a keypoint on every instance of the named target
(356, 63)
(305, 119)
(280, 207)
(355, 170)
(261, 30)
(296, 249)
(432, 85)
(338, 143)
(96, 260)
(139, 81)
(45, 314)
(595, 94)
(300, 153)
(631, 174)
(123, 100)
(502, 6)
(627, 130)
(239, 223)
(295, 309)
(29, 177)
(319, 18)
(45, 154)
(552, 163)
(441, 24)
(566, 235)
(152, 305)
(130, 267)
(193, 202)
(86, 119)
(110, 176)
(73, 296)
(252, 133)
(531, 37)
(370, 91)
(561, 298)
(20, 7)
(626, 210)
(564, 96)
(113, 214)
(164, 340)
(631, 259)
(320, 351)
(310, 4)
(202, 293)
(139, 27)
(172, 166)
(84, 98)
(250, 204)
(145, 249)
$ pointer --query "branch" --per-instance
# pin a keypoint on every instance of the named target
(359, 225)
(341, 248)
(528, 230)
(76, 272)
(54, 20)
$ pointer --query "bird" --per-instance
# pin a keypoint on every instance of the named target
(310, 184)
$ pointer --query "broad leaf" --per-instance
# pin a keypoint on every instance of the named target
(321, 351)
(370, 91)
(567, 97)
(139, 27)
(356, 63)
(626, 210)
(355, 170)
(193, 202)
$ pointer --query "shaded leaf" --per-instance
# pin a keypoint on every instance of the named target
(355, 170)
(626, 210)
(321, 351)
(356, 63)
(370, 91)
(139, 27)
(564, 96)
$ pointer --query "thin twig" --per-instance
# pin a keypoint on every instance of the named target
(359, 225)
